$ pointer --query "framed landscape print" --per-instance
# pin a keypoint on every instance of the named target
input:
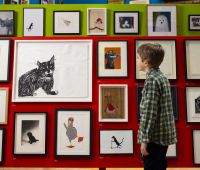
(112, 58)
(126, 22)
(96, 21)
(194, 22)
(30, 133)
(60, 72)
(162, 20)
(4, 60)
(33, 22)
(66, 22)
(7, 23)
(172, 151)
(4, 105)
(196, 146)
(2, 143)
(73, 133)
(116, 141)
(169, 64)
(113, 103)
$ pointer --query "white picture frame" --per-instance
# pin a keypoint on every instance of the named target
(172, 151)
(4, 105)
(196, 146)
(66, 75)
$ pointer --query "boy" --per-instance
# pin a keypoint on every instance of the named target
(157, 126)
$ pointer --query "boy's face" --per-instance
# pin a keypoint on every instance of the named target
(141, 65)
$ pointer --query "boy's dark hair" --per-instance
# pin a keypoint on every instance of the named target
(152, 52)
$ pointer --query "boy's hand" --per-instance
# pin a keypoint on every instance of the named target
(143, 149)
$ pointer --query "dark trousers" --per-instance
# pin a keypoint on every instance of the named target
(156, 160)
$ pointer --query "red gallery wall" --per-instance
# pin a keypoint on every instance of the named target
(184, 129)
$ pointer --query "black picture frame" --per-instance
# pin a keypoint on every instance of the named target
(195, 146)
(194, 21)
(2, 147)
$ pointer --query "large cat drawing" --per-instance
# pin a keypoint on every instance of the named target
(41, 77)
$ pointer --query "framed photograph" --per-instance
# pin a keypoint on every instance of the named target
(112, 58)
(96, 21)
(30, 133)
(192, 59)
(169, 64)
(162, 20)
(2, 144)
(73, 133)
(194, 22)
(126, 22)
(4, 59)
(47, 1)
(172, 151)
(7, 23)
(196, 146)
(116, 141)
(54, 71)
(33, 22)
(4, 105)
(113, 103)
(66, 22)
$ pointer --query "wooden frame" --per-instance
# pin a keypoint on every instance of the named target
(4, 105)
(194, 22)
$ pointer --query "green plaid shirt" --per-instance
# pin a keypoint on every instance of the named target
(156, 113)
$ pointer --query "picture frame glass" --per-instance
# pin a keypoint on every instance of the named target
(196, 146)
(4, 105)
(6, 23)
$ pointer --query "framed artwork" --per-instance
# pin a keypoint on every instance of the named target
(113, 103)
(162, 20)
(25, 2)
(2, 144)
(116, 141)
(7, 23)
(73, 133)
(66, 22)
(33, 22)
(60, 72)
(172, 151)
(112, 58)
(192, 59)
(169, 64)
(4, 105)
(194, 22)
(30, 133)
(126, 22)
(4, 59)
(196, 146)
(96, 21)
(47, 1)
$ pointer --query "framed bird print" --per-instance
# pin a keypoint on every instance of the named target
(30, 133)
(73, 133)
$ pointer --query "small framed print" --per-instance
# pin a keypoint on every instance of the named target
(194, 22)
(112, 58)
(169, 64)
(116, 141)
(4, 105)
(73, 133)
(162, 20)
(113, 103)
(33, 22)
(96, 21)
(172, 151)
(126, 22)
(196, 146)
(30, 133)
(7, 23)
(2, 143)
(66, 22)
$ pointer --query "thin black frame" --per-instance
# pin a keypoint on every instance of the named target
(138, 22)
(190, 29)
(3, 145)
(45, 138)
(55, 131)
(127, 58)
(79, 14)
(193, 146)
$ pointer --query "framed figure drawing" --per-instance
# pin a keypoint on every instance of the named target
(169, 64)
(4, 105)
(2, 144)
(162, 20)
(60, 72)
(196, 146)
(96, 21)
(112, 58)
(7, 23)
(194, 22)
(73, 133)
(33, 22)
(30, 133)
(113, 103)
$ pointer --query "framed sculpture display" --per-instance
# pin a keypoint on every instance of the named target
(2, 143)
(194, 22)
(66, 22)
(54, 71)
(7, 23)
(4, 105)
(73, 133)
(96, 21)
(196, 146)
(113, 103)
(169, 64)
(116, 141)
(162, 20)
(33, 22)
(112, 58)
(30, 133)
(126, 22)
(192, 59)
(172, 151)
(4, 59)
